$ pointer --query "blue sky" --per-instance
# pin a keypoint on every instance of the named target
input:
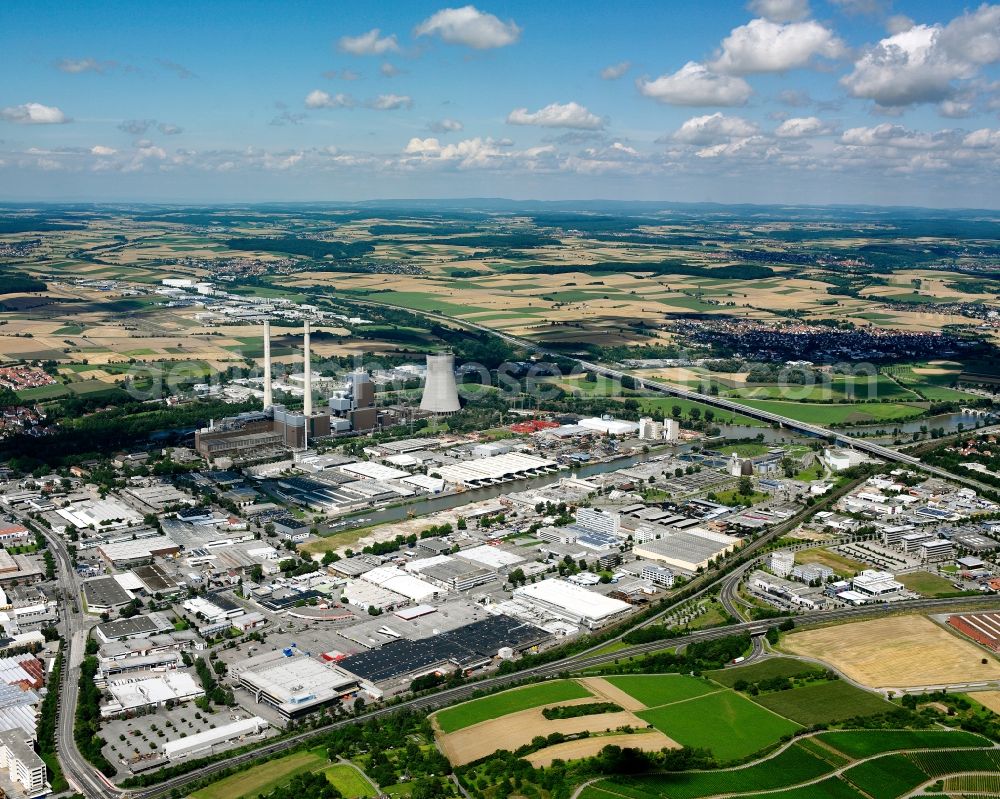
(819, 101)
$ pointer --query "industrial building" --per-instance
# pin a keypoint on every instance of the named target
(572, 603)
(204, 742)
(134, 693)
(294, 683)
(983, 628)
(141, 550)
(689, 550)
(875, 584)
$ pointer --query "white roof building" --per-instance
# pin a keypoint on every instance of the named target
(609, 426)
(572, 603)
(399, 582)
(207, 739)
(491, 557)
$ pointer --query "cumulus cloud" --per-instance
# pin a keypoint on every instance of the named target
(318, 98)
(388, 70)
(446, 126)
(74, 66)
(136, 127)
(390, 102)
(802, 127)
(34, 114)
(765, 46)
(780, 10)
(470, 27)
(101, 150)
(371, 43)
(923, 63)
(616, 71)
(714, 128)
(693, 85)
(557, 115)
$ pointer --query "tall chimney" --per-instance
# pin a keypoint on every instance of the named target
(307, 404)
(268, 398)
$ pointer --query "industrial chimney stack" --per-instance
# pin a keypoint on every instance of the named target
(307, 403)
(440, 392)
(268, 397)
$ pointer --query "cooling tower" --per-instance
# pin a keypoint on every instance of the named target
(440, 391)
(268, 398)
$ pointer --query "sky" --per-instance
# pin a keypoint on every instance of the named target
(884, 102)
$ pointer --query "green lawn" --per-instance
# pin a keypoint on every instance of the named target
(501, 704)
(790, 767)
(763, 670)
(725, 723)
(886, 777)
(654, 690)
(927, 584)
(858, 744)
(660, 407)
(348, 781)
(264, 778)
(823, 702)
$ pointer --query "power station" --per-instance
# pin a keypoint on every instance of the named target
(274, 429)
(440, 392)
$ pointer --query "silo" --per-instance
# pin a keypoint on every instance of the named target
(440, 392)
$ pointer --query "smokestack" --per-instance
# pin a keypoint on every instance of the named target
(307, 404)
(268, 398)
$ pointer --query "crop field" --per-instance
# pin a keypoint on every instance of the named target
(823, 702)
(973, 784)
(838, 414)
(725, 723)
(648, 741)
(896, 652)
(653, 690)
(506, 702)
(858, 744)
(886, 777)
(264, 778)
(348, 781)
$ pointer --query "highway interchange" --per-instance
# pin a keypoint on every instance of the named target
(84, 778)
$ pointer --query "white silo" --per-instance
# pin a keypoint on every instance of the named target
(440, 392)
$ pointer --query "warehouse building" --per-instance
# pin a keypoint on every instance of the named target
(875, 584)
(499, 469)
(983, 628)
(131, 553)
(142, 692)
(204, 742)
(689, 550)
(104, 594)
(572, 603)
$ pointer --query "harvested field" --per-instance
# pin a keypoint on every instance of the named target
(602, 688)
(988, 699)
(896, 652)
(652, 741)
(515, 729)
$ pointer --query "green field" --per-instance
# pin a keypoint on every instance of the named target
(654, 690)
(501, 704)
(937, 764)
(662, 406)
(830, 788)
(789, 767)
(858, 744)
(886, 777)
(763, 670)
(725, 723)
(831, 413)
(348, 781)
(823, 702)
(264, 778)
(927, 584)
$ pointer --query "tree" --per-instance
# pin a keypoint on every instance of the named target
(746, 486)
(676, 411)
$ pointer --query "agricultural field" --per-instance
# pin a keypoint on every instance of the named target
(823, 703)
(266, 777)
(764, 670)
(506, 702)
(895, 652)
(655, 690)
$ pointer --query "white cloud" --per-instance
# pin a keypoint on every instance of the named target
(446, 126)
(923, 63)
(34, 114)
(714, 128)
(984, 138)
(388, 70)
(100, 149)
(321, 99)
(74, 66)
(390, 102)
(765, 46)
(557, 115)
(694, 84)
(615, 71)
(955, 109)
(368, 44)
(802, 127)
(471, 27)
(780, 10)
